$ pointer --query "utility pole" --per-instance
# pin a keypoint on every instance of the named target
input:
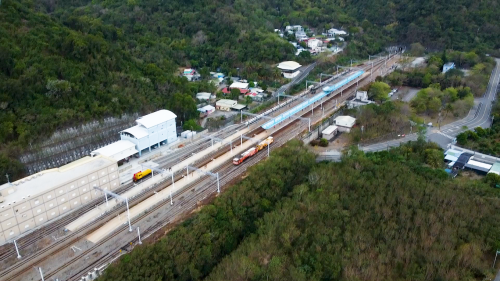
(139, 235)
(498, 252)
(17, 250)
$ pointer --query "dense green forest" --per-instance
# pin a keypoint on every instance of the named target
(382, 216)
(66, 62)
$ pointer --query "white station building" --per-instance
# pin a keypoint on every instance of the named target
(289, 69)
(29, 203)
(153, 129)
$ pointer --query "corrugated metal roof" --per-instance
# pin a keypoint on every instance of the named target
(156, 118)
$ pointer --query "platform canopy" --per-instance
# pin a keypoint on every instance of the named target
(118, 150)
(156, 118)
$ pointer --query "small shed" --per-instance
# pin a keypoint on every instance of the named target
(329, 132)
(206, 110)
(345, 123)
(225, 105)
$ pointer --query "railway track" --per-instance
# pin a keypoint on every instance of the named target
(223, 169)
(228, 173)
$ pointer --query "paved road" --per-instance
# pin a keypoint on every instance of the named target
(303, 74)
(479, 116)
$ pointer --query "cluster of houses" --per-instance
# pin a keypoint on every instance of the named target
(315, 44)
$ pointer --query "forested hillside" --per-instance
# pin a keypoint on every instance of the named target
(65, 62)
(383, 216)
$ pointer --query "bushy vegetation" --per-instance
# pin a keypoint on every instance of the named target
(191, 250)
(65, 62)
(380, 121)
(381, 216)
(479, 70)
(432, 101)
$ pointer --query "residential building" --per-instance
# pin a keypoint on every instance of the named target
(225, 105)
(206, 110)
(314, 44)
(332, 32)
(203, 96)
(448, 66)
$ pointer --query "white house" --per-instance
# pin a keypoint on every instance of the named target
(152, 129)
(345, 123)
(203, 96)
(300, 35)
(314, 43)
(332, 32)
(360, 99)
(290, 69)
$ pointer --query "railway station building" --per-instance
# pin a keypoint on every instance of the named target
(29, 203)
(152, 130)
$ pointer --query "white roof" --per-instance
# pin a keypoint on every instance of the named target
(137, 131)
(238, 106)
(239, 85)
(203, 95)
(289, 65)
(156, 118)
(330, 129)
(450, 157)
(345, 121)
(206, 108)
(256, 90)
(115, 148)
(479, 164)
(44, 181)
(224, 102)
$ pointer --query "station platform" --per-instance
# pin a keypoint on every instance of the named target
(164, 194)
(137, 189)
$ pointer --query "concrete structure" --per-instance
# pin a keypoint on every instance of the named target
(345, 123)
(289, 69)
(119, 150)
(329, 132)
(206, 110)
(360, 99)
(31, 202)
(448, 66)
(203, 96)
(152, 129)
(225, 105)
